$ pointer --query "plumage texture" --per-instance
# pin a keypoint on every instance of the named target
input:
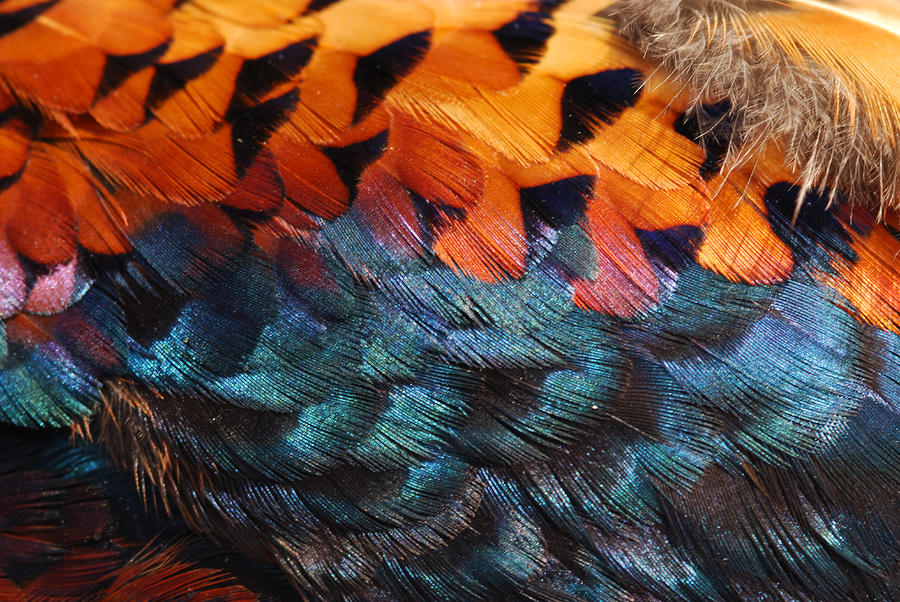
(456, 300)
(820, 80)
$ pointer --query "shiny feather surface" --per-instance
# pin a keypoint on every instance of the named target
(457, 300)
(818, 78)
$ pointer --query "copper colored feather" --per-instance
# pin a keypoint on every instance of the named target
(454, 299)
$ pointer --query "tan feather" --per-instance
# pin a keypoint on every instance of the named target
(820, 80)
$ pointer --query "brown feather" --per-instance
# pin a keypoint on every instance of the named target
(820, 80)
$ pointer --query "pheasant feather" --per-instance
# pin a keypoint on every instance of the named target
(457, 300)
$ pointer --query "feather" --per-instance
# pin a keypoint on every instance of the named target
(817, 78)
(72, 529)
(399, 299)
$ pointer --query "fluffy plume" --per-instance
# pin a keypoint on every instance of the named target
(816, 79)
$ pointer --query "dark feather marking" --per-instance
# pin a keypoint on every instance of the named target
(149, 316)
(169, 266)
(256, 450)
(593, 99)
(452, 572)
(816, 230)
(525, 38)
(7, 181)
(378, 72)
(32, 269)
(259, 76)
(548, 6)
(351, 160)
(433, 216)
(149, 305)
(560, 203)
(173, 77)
(253, 126)
(10, 112)
(549, 208)
(710, 126)
(12, 21)
(317, 5)
(118, 68)
(672, 248)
